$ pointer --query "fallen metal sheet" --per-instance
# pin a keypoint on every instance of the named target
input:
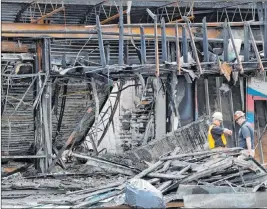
(184, 190)
(233, 200)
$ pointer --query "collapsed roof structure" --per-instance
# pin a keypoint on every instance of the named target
(127, 77)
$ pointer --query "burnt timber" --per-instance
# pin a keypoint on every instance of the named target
(108, 85)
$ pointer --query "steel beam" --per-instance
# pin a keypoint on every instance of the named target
(78, 31)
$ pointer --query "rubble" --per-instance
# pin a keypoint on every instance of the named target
(183, 180)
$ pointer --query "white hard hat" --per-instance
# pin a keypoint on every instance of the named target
(217, 116)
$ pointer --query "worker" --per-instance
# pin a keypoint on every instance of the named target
(216, 134)
(245, 134)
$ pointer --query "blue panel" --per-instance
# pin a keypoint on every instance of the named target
(250, 117)
(253, 92)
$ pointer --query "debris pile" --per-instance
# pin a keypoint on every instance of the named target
(181, 178)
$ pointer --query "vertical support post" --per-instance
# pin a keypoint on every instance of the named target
(121, 38)
(246, 43)
(100, 42)
(177, 48)
(46, 105)
(205, 40)
(160, 110)
(126, 53)
(185, 46)
(172, 52)
(225, 41)
(40, 142)
(259, 141)
(143, 45)
(163, 40)
(242, 94)
(206, 82)
(169, 55)
(193, 45)
(232, 113)
(156, 45)
(234, 47)
(36, 115)
(260, 12)
(107, 53)
(196, 102)
(49, 91)
(218, 92)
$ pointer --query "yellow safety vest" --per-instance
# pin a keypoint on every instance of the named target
(211, 139)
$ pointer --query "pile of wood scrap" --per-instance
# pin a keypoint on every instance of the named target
(199, 179)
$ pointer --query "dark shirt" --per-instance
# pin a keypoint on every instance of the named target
(216, 133)
(245, 131)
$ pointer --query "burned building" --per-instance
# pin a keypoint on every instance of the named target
(127, 79)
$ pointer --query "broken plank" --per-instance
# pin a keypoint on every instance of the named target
(201, 153)
(112, 167)
(164, 185)
(97, 199)
(215, 168)
(168, 163)
(149, 169)
(165, 176)
(177, 163)
(112, 185)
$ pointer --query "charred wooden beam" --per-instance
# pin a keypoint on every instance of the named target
(235, 50)
(184, 44)
(193, 45)
(205, 40)
(178, 53)
(255, 49)
(163, 40)
(225, 41)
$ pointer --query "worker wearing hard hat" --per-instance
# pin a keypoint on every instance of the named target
(245, 134)
(216, 134)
